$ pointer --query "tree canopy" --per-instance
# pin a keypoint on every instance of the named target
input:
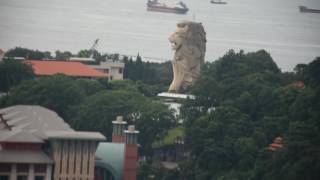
(28, 53)
(97, 112)
(12, 72)
(92, 105)
(243, 102)
(57, 93)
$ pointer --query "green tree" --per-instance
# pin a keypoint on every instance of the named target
(28, 53)
(299, 158)
(57, 93)
(12, 72)
(126, 85)
(221, 142)
(63, 55)
(246, 87)
(149, 73)
(90, 87)
(97, 112)
(311, 73)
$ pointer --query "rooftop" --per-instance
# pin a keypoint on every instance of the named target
(81, 59)
(111, 156)
(75, 135)
(35, 124)
(77, 69)
(19, 136)
(108, 64)
(168, 95)
(35, 119)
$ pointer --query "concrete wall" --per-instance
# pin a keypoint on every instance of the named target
(74, 159)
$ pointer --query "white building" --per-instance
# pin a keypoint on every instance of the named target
(173, 101)
(113, 70)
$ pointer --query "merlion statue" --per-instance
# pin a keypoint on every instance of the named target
(189, 44)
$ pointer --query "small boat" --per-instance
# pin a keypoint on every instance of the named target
(304, 9)
(178, 7)
(218, 2)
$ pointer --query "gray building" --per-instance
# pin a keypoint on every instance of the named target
(36, 144)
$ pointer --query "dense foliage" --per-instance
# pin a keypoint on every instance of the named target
(96, 113)
(58, 93)
(28, 53)
(149, 73)
(12, 73)
(244, 102)
(92, 105)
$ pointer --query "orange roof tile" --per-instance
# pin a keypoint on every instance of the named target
(45, 68)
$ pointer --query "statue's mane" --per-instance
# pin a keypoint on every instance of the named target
(193, 32)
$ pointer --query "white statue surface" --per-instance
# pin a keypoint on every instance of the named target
(189, 44)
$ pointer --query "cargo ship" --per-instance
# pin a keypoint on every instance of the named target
(218, 2)
(304, 9)
(178, 7)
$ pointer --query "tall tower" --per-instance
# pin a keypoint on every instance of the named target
(118, 130)
(131, 153)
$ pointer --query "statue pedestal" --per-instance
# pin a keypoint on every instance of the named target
(175, 96)
(173, 101)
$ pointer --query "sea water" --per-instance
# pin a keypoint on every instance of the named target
(126, 27)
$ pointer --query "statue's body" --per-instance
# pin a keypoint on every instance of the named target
(189, 44)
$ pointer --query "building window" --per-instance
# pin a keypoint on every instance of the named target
(106, 71)
(3, 177)
(22, 177)
(22, 168)
(120, 70)
(40, 168)
(5, 167)
(39, 178)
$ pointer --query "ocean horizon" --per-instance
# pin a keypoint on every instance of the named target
(126, 27)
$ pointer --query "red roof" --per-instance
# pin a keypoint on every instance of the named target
(45, 68)
(277, 144)
(299, 85)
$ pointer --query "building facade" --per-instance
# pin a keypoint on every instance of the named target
(36, 144)
(113, 70)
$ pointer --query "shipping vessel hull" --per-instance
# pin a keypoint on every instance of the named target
(304, 9)
(168, 10)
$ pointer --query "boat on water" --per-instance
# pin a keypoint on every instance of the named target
(178, 7)
(218, 2)
(305, 9)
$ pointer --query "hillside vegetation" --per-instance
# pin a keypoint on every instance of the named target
(243, 102)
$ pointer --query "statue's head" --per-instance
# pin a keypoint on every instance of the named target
(189, 44)
(186, 32)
